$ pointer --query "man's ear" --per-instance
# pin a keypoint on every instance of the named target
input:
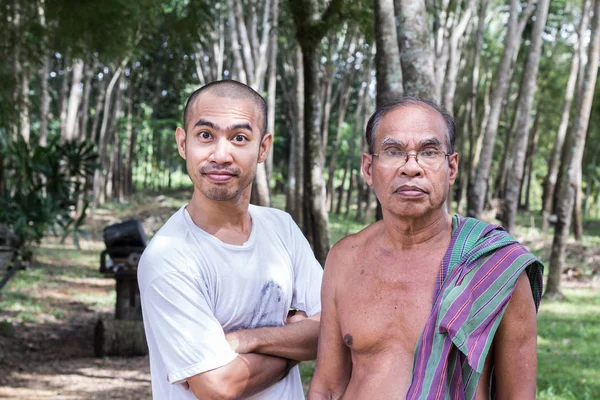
(180, 138)
(367, 164)
(265, 145)
(453, 164)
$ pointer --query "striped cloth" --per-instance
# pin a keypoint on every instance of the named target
(478, 275)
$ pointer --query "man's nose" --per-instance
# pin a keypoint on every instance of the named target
(412, 167)
(221, 153)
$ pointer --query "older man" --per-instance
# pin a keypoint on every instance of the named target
(424, 304)
(218, 279)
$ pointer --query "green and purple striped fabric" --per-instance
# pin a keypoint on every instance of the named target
(478, 275)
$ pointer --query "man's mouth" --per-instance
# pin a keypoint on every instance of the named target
(410, 190)
(218, 175)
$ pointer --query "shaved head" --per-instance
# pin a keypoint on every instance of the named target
(230, 89)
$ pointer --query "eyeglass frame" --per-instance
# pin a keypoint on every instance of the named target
(416, 156)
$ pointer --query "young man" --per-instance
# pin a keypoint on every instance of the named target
(422, 304)
(218, 279)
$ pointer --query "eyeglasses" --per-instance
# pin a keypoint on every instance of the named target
(429, 159)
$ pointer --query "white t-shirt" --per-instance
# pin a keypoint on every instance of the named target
(194, 288)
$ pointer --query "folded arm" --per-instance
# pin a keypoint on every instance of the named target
(245, 376)
(297, 340)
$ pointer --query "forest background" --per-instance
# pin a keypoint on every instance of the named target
(91, 93)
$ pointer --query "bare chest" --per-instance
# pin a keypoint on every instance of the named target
(384, 308)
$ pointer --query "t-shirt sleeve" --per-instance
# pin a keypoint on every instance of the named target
(184, 332)
(308, 274)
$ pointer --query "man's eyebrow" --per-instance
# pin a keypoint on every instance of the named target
(203, 122)
(392, 141)
(242, 125)
(431, 142)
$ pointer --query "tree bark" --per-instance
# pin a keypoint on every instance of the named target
(515, 174)
(99, 178)
(310, 29)
(550, 181)
(74, 100)
(416, 55)
(118, 337)
(25, 105)
(85, 100)
(64, 90)
(530, 158)
(476, 199)
(44, 92)
(387, 57)
(272, 85)
(570, 165)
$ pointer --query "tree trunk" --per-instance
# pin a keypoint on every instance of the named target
(272, 85)
(340, 189)
(515, 174)
(529, 160)
(550, 181)
(64, 90)
(416, 56)
(309, 33)
(476, 199)
(575, 143)
(577, 209)
(99, 178)
(100, 100)
(127, 178)
(85, 101)
(44, 101)
(74, 100)
(454, 55)
(25, 105)
(387, 57)
(118, 337)
(344, 97)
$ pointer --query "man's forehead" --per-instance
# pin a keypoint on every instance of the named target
(208, 106)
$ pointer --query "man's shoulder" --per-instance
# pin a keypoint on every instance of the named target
(355, 244)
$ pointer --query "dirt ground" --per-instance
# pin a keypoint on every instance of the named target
(53, 358)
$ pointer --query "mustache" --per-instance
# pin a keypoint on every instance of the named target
(212, 168)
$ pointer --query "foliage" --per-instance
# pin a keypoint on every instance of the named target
(44, 185)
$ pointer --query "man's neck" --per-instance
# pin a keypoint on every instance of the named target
(229, 220)
(406, 233)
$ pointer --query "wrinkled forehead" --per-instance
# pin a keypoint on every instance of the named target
(411, 126)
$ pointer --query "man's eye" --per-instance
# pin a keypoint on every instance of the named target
(205, 135)
(428, 153)
(395, 153)
(239, 138)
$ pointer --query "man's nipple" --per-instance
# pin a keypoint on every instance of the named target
(348, 339)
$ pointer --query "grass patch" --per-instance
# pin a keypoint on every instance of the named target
(569, 347)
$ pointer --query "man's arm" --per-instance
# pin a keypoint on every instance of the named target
(515, 346)
(295, 341)
(245, 376)
(334, 367)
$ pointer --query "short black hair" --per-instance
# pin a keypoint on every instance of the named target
(230, 89)
(381, 111)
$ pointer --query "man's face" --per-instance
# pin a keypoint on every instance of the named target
(411, 190)
(222, 145)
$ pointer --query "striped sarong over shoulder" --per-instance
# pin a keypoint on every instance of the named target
(476, 281)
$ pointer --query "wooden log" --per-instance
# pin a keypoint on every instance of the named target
(114, 337)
